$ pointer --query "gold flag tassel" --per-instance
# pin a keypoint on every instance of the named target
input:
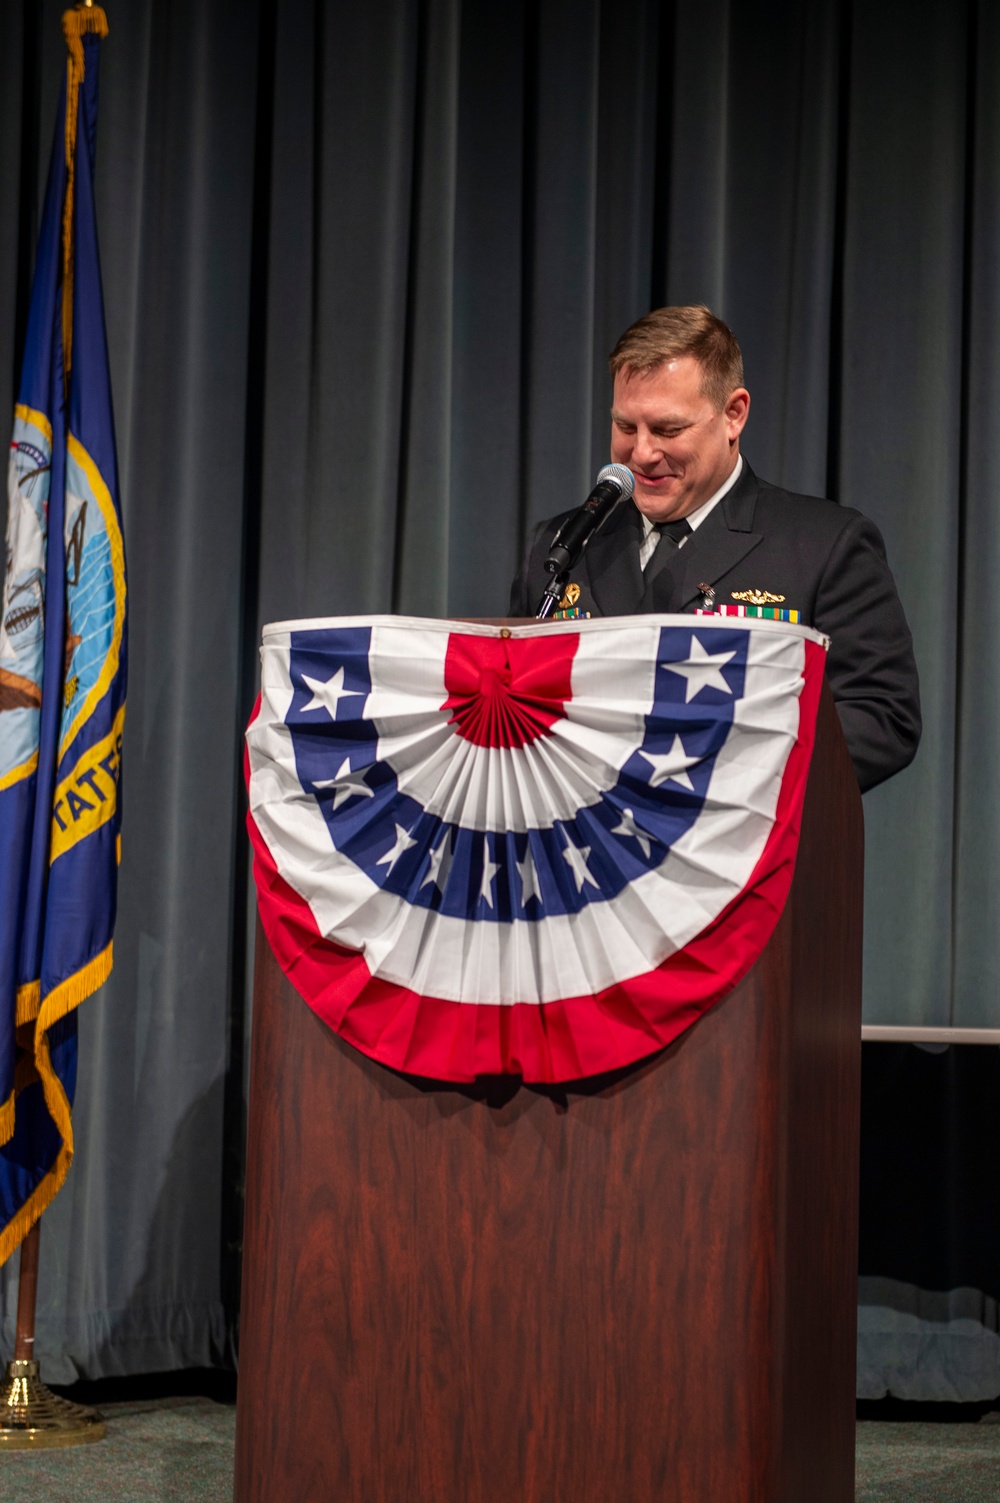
(76, 23)
(31, 1416)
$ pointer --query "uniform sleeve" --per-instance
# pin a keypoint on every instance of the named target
(870, 664)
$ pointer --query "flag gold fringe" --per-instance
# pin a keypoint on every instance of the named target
(60, 1001)
(56, 1099)
(7, 1119)
(29, 998)
(76, 23)
(76, 988)
(40, 1198)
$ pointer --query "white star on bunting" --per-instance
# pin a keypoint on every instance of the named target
(671, 766)
(576, 858)
(328, 696)
(440, 865)
(529, 879)
(704, 671)
(632, 831)
(404, 841)
(348, 785)
(490, 869)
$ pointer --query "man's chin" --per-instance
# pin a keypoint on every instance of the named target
(659, 505)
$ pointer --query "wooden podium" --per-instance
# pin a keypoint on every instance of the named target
(636, 1288)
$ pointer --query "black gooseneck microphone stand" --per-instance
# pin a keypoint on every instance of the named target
(552, 596)
(614, 483)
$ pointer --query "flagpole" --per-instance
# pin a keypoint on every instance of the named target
(31, 1416)
(27, 1294)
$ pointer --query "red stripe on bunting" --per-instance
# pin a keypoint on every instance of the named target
(552, 1041)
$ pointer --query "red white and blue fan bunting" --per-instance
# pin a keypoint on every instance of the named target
(543, 851)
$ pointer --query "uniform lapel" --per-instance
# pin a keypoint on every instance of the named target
(717, 546)
(612, 562)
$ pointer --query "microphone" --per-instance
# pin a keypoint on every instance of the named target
(614, 483)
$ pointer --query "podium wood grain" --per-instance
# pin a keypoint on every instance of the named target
(639, 1288)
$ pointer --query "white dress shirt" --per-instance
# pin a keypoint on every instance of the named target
(650, 536)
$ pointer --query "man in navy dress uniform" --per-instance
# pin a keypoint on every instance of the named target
(702, 526)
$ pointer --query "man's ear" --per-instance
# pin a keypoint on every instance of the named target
(736, 411)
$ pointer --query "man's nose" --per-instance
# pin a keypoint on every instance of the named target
(646, 449)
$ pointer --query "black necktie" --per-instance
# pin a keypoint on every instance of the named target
(671, 536)
(665, 558)
(675, 530)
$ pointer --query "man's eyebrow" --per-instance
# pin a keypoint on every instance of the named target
(667, 421)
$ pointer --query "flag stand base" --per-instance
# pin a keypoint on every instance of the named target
(33, 1418)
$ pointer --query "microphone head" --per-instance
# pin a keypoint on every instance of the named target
(619, 475)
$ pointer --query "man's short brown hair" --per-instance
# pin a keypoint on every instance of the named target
(667, 333)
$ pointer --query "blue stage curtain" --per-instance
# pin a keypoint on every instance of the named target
(363, 265)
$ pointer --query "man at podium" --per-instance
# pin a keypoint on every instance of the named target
(701, 531)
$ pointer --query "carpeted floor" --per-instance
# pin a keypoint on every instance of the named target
(159, 1451)
(928, 1463)
(180, 1450)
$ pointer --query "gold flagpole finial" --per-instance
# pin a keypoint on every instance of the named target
(84, 19)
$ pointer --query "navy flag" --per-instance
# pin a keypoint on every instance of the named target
(62, 669)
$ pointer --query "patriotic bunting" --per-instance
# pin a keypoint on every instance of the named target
(539, 850)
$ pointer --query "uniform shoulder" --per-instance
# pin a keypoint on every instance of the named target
(543, 532)
(549, 524)
(546, 527)
(815, 515)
